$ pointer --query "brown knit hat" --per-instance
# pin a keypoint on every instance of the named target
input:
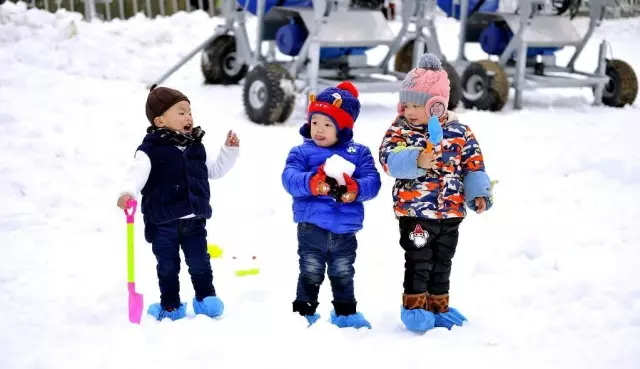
(160, 99)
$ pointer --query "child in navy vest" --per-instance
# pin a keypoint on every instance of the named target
(171, 170)
(327, 204)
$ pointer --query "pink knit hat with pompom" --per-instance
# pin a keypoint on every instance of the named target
(427, 85)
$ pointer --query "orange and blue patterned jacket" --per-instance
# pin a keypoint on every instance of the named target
(439, 192)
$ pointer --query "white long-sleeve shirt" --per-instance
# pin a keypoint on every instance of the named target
(140, 167)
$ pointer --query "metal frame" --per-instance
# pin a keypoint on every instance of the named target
(530, 31)
(325, 17)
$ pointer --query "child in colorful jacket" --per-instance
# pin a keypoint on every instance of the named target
(439, 168)
(171, 170)
(328, 213)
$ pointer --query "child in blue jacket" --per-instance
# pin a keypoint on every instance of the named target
(329, 214)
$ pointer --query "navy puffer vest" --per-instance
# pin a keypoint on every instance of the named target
(178, 184)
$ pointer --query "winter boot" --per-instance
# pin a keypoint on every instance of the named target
(345, 315)
(307, 310)
(445, 316)
(414, 315)
(157, 311)
(210, 306)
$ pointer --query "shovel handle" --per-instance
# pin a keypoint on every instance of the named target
(130, 205)
(130, 210)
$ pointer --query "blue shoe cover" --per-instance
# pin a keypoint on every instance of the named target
(210, 306)
(449, 319)
(356, 320)
(417, 320)
(312, 318)
(159, 313)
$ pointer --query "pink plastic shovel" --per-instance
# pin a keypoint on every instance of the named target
(135, 299)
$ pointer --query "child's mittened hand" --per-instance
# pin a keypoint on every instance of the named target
(122, 200)
(352, 189)
(426, 159)
(481, 204)
(318, 183)
(232, 139)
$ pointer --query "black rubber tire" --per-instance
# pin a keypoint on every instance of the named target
(622, 88)
(367, 4)
(404, 63)
(404, 58)
(490, 90)
(288, 106)
(265, 97)
(455, 87)
(215, 62)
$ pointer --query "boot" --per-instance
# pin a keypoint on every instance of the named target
(439, 303)
(414, 313)
(307, 310)
(445, 316)
(345, 315)
(417, 301)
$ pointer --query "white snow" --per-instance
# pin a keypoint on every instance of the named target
(336, 166)
(548, 277)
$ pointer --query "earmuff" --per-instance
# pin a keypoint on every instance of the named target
(436, 106)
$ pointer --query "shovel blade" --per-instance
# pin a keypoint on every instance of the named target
(135, 304)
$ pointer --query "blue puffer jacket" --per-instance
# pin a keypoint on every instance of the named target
(303, 163)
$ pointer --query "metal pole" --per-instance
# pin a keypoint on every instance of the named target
(89, 10)
(519, 80)
(418, 43)
(596, 14)
(408, 11)
(521, 56)
(598, 91)
(107, 9)
(185, 59)
(320, 10)
(462, 37)
(121, 9)
(260, 29)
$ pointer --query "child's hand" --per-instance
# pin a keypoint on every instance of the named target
(352, 189)
(319, 182)
(481, 204)
(426, 159)
(122, 200)
(232, 139)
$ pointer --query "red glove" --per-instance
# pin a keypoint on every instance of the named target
(352, 189)
(318, 183)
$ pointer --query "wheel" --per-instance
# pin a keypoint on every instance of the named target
(367, 4)
(220, 64)
(622, 88)
(287, 109)
(455, 91)
(404, 63)
(268, 94)
(485, 86)
(404, 58)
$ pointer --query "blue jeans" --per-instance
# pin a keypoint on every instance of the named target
(319, 248)
(167, 238)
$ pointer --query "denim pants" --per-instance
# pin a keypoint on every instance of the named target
(191, 234)
(319, 249)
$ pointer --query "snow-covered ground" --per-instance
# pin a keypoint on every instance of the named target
(548, 278)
